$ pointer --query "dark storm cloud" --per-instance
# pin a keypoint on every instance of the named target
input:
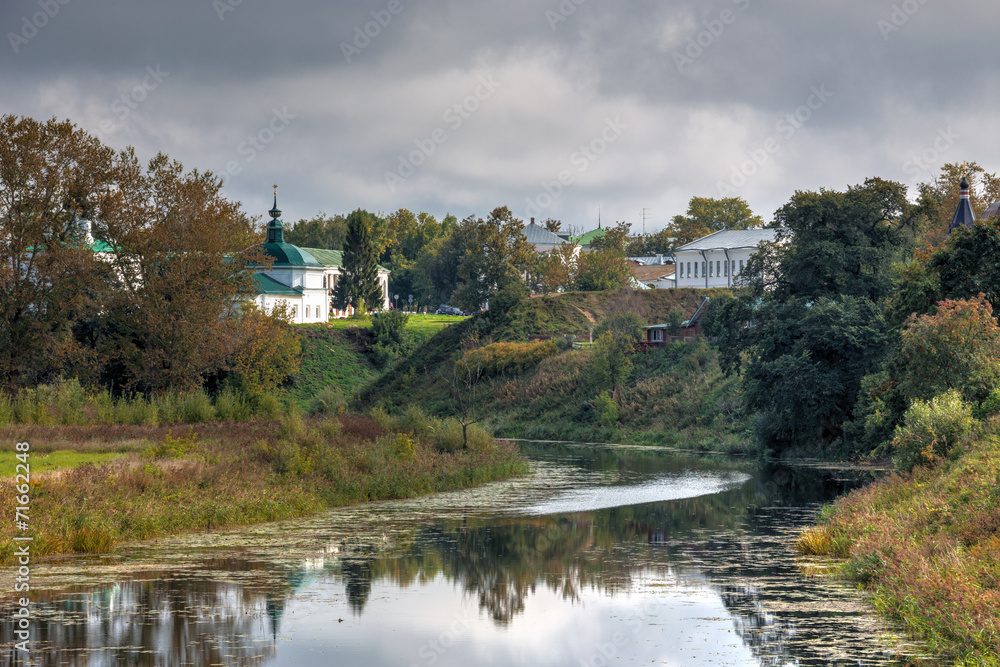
(381, 103)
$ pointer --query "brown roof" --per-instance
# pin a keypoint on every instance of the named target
(649, 274)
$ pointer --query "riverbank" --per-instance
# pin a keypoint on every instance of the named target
(674, 395)
(926, 547)
(165, 481)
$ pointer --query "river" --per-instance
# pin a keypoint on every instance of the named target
(602, 556)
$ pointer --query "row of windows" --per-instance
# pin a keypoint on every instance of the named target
(719, 269)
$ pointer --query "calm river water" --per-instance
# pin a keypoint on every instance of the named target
(603, 556)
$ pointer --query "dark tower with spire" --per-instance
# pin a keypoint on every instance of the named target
(275, 228)
(964, 216)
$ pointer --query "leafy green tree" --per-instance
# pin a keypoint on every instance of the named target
(969, 263)
(497, 257)
(359, 283)
(606, 267)
(321, 231)
(706, 215)
(611, 365)
(810, 324)
(555, 271)
(656, 243)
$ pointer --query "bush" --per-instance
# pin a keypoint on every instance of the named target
(930, 430)
(330, 401)
(6, 410)
(510, 358)
(606, 409)
(231, 405)
(447, 437)
(266, 406)
(197, 408)
(388, 331)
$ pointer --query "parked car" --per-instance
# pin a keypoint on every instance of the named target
(448, 310)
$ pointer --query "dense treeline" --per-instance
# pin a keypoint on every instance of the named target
(862, 309)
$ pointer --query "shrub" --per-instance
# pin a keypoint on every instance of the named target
(388, 331)
(606, 409)
(989, 406)
(510, 358)
(330, 401)
(231, 405)
(266, 406)
(136, 410)
(415, 422)
(447, 437)
(197, 408)
(69, 399)
(930, 429)
(6, 409)
(175, 448)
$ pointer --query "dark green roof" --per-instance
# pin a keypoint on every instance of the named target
(286, 254)
(331, 258)
(268, 285)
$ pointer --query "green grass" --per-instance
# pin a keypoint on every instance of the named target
(926, 546)
(228, 474)
(676, 396)
(332, 357)
(63, 459)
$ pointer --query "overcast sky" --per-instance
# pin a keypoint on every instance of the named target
(555, 109)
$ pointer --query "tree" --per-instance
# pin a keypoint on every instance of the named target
(656, 243)
(706, 215)
(809, 324)
(939, 199)
(465, 379)
(956, 348)
(610, 361)
(552, 225)
(162, 307)
(182, 257)
(497, 257)
(606, 267)
(268, 352)
(359, 283)
(388, 329)
(555, 271)
(321, 231)
(51, 174)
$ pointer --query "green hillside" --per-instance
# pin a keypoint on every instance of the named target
(676, 395)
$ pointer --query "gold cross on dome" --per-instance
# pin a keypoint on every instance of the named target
(275, 189)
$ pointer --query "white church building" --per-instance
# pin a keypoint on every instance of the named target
(303, 279)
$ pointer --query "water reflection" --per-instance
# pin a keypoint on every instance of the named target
(725, 551)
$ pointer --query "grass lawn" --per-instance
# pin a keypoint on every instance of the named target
(63, 459)
(429, 324)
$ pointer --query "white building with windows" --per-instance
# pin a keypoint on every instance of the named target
(302, 279)
(718, 259)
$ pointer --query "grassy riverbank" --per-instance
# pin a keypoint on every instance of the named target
(214, 475)
(926, 546)
(676, 395)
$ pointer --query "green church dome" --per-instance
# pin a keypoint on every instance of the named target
(284, 254)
